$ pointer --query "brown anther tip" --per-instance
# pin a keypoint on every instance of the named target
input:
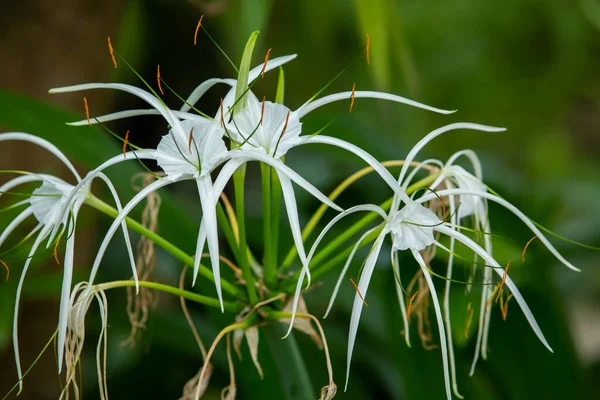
(112, 52)
(358, 291)
(56, 249)
(190, 140)
(87, 110)
(262, 112)
(409, 308)
(125, 143)
(526, 246)
(367, 48)
(221, 108)
(198, 28)
(262, 72)
(158, 80)
(7, 270)
(352, 97)
(287, 118)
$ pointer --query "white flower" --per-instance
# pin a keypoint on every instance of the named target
(55, 204)
(412, 227)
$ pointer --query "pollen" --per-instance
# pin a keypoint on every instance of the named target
(367, 49)
(352, 97)
(410, 303)
(262, 72)
(526, 246)
(190, 141)
(7, 270)
(125, 143)
(112, 52)
(358, 291)
(56, 249)
(198, 28)
(87, 110)
(158, 80)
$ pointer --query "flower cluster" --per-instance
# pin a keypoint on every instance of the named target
(210, 151)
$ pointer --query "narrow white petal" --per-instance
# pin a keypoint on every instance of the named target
(281, 167)
(26, 137)
(132, 113)
(201, 89)
(509, 207)
(272, 64)
(400, 295)
(209, 217)
(15, 223)
(420, 167)
(440, 322)
(363, 286)
(200, 242)
(344, 270)
(313, 105)
(372, 161)
(19, 180)
(500, 271)
(433, 134)
(224, 175)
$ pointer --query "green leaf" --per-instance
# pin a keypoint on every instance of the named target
(280, 93)
(242, 82)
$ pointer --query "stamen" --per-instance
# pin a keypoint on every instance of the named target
(262, 113)
(158, 80)
(262, 72)
(526, 246)
(198, 28)
(56, 249)
(367, 47)
(501, 284)
(190, 141)
(504, 308)
(7, 270)
(352, 97)
(222, 113)
(112, 52)
(287, 118)
(125, 143)
(87, 111)
(358, 291)
(410, 303)
(469, 319)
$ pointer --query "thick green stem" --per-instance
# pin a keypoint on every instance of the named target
(270, 269)
(239, 178)
(198, 298)
(164, 244)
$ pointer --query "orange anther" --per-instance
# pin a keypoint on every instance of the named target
(358, 291)
(158, 80)
(221, 113)
(125, 143)
(287, 118)
(56, 249)
(501, 284)
(526, 246)
(262, 72)
(352, 97)
(367, 47)
(7, 270)
(262, 113)
(198, 28)
(112, 52)
(410, 303)
(504, 307)
(87, 110)
(190, 141)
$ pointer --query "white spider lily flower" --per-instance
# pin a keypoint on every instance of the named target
(46, 204)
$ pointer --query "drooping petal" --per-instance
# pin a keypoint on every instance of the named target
(15, 223)
(438, 317)
(400, 295)
(19, 180)
(361, 293)
(271, 65)
(26, 137)
(201, 89)
(433, 134)
(132, 113)
(313, 105)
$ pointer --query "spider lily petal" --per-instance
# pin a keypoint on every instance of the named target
(313, 105)
(15, 223)
(132, 113)
(412, 227)
(400, 294)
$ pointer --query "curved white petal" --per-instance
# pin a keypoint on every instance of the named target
(19, 180)
(433, 134)
(511, 208)
(400, 295)
(15, 223)
(369, 159)
(500, 271)
(271, 64)
(201, 89)
(26, 137)
(438, 317)
(313, 105)
(132, 113)
(224, 175)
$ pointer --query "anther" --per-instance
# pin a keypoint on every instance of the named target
(410, 303)
(526, 246)
(190, 140)
(125, 143)
(352, 97)
(504, 307)
(7, 270)
(367, 47)
(87, 110)
(198, 28)
(501, 284)
(358, 291)
(158, 80)
(56, 249)
(221, 113)
(262, 72)
(262, 113)
(112, 52)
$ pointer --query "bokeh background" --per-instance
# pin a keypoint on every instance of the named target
(531, 66)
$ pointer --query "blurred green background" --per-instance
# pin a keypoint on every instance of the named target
(530, 66)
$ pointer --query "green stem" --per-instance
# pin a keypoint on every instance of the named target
(198, 298)
(169, 247)
(270, 269)
(239, 177)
